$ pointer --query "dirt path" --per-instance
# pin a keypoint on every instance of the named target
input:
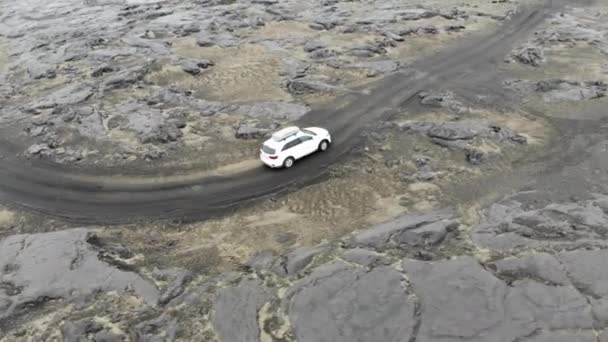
(60, 192)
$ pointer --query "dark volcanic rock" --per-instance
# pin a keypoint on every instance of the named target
(300, 257)
(587, 271)
(567, 336)
(69, 95)
(194, 67)
(535, 266)
(459, 130)
(126, 78)
(339, 303)
(236, 311)
(204, 40)
(364, 257)
(40, 70)
(508, 224)
(461, 300)
(38, 150)
(323, 53)
(179, 280)
(430, 234)
(301, 86)
(62, 265)
(443, 99)
(409, 229)
(79, 330)
(313, 45)
(430, 29)
(560, 90)
(103, 70)
(367, 50)
(455, 28)
(533, 56)
(268, 261)
(161, 328)
(417, 14)
(556, 90)
(250, 132)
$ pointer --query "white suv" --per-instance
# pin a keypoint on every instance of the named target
(292, 143)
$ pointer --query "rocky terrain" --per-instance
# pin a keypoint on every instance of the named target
(116, 83)
(465, 197)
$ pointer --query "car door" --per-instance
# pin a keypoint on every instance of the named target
(307, 145)
(292, 149)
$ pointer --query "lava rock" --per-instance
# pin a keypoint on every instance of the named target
(235, 311)
(453, 131)
(367, 50)
(103, 70)
(250, 132)
(388, 234)
(460, 299)
(562, 90)
(427, 235)
(40, 70)
(126, 78)
(530, 55)
(204, 40)
(313, 45)
(417, 14)
(323, 54)
(536, 266)
(454, 28)
(549, 336)
(77, 331)
(585, 268)
(195, 67)
(364, 257)
(62, 265)
(38, 150)
(338, 303)
(69, 95)
(299, 258)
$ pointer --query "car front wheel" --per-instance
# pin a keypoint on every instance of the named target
(288, 162)
(324, 145)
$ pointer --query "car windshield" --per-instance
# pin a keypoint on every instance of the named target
(309, 132)
(267, 149)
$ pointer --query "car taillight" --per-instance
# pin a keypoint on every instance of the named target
(273, 157)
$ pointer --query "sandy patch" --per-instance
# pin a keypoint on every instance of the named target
(6, 217)
(287, 29)
(3, 55)
(240, 74)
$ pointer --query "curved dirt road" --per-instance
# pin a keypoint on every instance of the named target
(52, 190)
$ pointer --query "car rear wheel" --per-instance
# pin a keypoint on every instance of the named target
(288, 162)
(324, 145)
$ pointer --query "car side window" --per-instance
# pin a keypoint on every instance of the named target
(291, 144)
(305, 138)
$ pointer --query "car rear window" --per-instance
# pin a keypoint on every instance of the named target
(267, 149)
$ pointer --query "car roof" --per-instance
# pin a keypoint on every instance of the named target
(287, 134)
